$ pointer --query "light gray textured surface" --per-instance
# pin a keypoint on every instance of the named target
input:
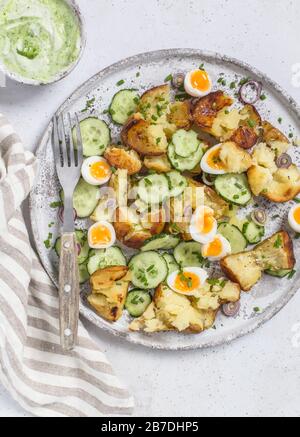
(259, 374)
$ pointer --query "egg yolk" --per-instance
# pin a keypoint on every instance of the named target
(186, 282)
(100, 235)
(200, 80)
(297, 215)
(100, 170)
(206, 222)
(214, 160)
(214, 248)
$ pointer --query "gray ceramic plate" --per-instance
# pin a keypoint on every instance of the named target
(271, 294)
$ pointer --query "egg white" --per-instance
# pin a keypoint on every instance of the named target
(205, 165)
(85, 171)
(226, 249)
(189, 89)
(112, 231)
(198, 236)
(201, 274)
(292, 222)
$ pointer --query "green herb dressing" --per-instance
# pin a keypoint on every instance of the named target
(38, 38)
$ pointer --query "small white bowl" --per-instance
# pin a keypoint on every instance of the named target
(24, 80)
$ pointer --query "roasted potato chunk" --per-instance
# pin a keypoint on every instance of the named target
(133, 229)
(154, 103)
(211, 297)
(234, 158)
(271, 133)
(250, 115)
(244, 137)
(246, 269)
(160, 164)
(109, 302)
(265, 178)
(205, 110)
(180, 115)
(145, 138)
(124, 159)
(173, 312)
(106, 278)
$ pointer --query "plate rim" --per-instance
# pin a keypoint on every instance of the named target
(292, 106)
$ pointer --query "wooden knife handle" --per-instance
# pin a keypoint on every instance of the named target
(68, 291)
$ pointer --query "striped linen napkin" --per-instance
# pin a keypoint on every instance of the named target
(42, 378)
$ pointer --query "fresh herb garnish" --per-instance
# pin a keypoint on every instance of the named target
(89, 104)
(169, 78)
(263, 97)
(256, 309)
(121, 82)
(47, 242)
(291, 274)
(56, 204)
(251, 123)
(278, 242)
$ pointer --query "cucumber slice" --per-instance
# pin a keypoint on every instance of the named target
(95, 136)
(185, 143)
(235, 237)
(278, 273)
(137, 302)
(84, 275)
(184, 164)
(102, 258)
(253, 233)
(234, 188)
(171, 263)
(123, 105)
(148, 269)
(81, 238)
(85, 198)
(161, 242)
(153, 189)
(188, 254)
(177, 183)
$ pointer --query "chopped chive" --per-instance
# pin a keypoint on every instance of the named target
(169, 78)
(251, 123)
(292, 274)
(121, 82)
(56, 204)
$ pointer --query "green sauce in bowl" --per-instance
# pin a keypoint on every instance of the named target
(40, 40)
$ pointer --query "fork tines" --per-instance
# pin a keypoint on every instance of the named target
(67, 143)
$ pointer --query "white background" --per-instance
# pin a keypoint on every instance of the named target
(259, 374)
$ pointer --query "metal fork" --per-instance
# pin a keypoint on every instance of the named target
(68, 163)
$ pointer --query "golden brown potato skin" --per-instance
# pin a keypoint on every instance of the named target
(266, 179)
(134, 234)
(245, 137)
(106, 277)
(180, 115)
(160, 164)
(138, 135)
(124, 159)
(109, 290)
(252, 114)
(246, 268)
(271, 133)
(205, 109)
